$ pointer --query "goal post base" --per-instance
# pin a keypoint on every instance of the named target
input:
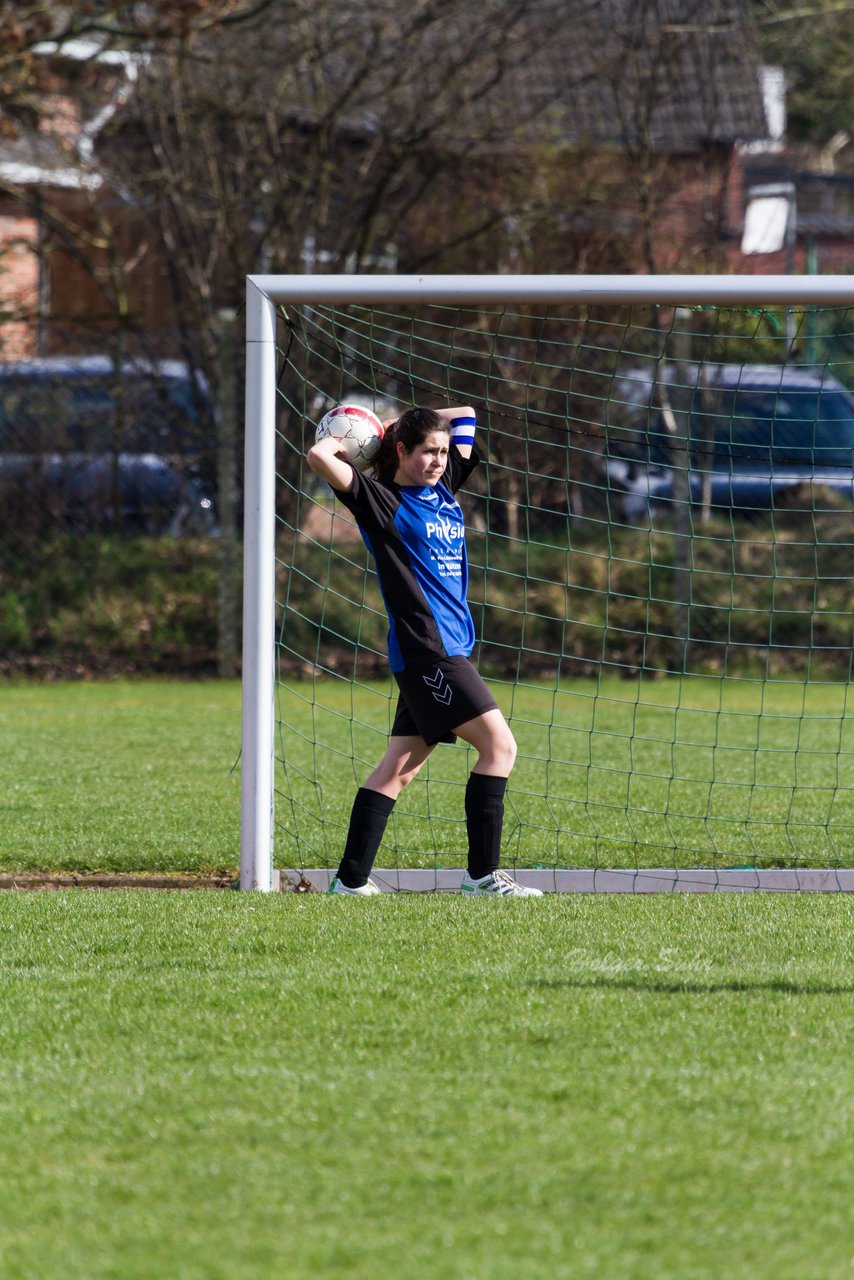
(589, 880)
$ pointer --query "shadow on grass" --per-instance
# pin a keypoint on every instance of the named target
(675, 987)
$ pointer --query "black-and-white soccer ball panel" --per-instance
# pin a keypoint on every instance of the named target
(359, 430)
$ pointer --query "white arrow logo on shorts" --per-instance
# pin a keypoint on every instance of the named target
(442, 691)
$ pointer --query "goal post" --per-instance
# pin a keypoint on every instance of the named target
(259, 596)
(613, 544)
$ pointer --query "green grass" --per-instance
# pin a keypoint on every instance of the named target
(226, 1087)
(121, 776)
(140, 776)
(214, 1086)
(679, 772)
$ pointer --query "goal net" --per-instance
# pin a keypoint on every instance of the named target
(659, 539)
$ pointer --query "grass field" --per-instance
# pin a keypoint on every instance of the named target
(681, 772)
(140, 776)
(213, 1086)
(216, 1086)
(126, 776)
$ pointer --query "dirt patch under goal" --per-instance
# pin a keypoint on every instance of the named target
(33, 880)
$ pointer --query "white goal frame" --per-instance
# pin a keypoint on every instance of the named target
(263, 294)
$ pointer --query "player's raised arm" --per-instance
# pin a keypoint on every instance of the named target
(327, 461)
(463, 422)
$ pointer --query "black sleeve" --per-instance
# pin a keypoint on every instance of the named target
(373, 504)
(459, 468)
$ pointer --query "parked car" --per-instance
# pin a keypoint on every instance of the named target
(760, 436)
(79, 493)
(84, 445)
(62, 404)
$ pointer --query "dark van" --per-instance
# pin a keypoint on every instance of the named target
(760, 436)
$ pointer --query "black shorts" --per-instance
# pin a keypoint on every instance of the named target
(437, 698)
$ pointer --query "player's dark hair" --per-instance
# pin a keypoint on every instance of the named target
(411, 429)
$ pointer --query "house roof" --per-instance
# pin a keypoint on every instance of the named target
(36, 157)
(666, 73)
(512, 74)
(669, 74)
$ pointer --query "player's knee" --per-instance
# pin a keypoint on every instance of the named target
(509, 750)
(391, 778)
(500, 755)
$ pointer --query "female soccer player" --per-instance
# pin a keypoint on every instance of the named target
(414, 529)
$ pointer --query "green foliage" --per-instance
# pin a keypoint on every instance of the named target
(813, 43)
(759, 589)
(95, 603)
(14, 626)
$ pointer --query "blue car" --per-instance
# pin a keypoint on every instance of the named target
(79, 493)
(88, 446)
(760, 437)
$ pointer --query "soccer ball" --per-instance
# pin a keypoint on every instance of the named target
(359, 431)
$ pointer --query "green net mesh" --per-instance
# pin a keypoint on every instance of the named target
(660, 550)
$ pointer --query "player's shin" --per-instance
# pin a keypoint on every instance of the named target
(368, 820)
(484, 821)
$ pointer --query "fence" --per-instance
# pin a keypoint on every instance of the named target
(119, 479)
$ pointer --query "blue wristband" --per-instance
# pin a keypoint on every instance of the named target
(462, 430)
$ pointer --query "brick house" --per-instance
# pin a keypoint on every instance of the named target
(75, 255)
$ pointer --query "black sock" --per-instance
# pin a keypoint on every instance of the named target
(484, 820)
(367, 825)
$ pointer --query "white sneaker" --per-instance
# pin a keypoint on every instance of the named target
(498, 882)
(364, 891)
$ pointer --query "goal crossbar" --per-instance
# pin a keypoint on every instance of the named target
(264, 295)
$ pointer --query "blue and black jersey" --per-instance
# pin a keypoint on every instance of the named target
(416, 536)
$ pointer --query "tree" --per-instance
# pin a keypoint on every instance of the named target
(316, 137)
(812, 41)
(292, 135)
